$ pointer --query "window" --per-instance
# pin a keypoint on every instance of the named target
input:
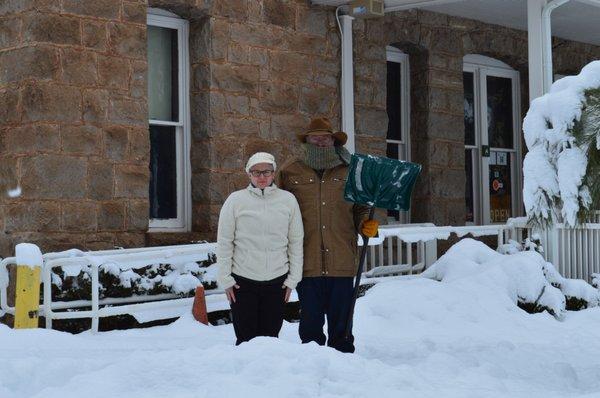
(398, 111)
(169, 120)
(492, 143)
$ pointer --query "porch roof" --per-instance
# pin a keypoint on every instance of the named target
(576, 20)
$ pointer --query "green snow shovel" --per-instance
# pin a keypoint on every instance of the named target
(377, 182)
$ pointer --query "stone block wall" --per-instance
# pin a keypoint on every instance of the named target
(261, 69)
(73, 110)
(273, 65)
(73, 106)
(436, 45)
(73, 123)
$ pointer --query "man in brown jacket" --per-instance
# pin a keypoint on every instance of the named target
(330, 233)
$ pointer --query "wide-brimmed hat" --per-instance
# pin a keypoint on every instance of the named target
(320, 126)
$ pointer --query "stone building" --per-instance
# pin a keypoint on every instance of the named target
(128, 122)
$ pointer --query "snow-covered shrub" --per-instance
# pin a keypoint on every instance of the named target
(562, 168)
(578, 293)
(596, 280)
(534, 244)
(523, 276)
(154, 279)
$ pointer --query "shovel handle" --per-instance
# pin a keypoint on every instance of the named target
(361, 262)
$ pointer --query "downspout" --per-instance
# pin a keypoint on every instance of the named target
(547, 41)
(347, 82)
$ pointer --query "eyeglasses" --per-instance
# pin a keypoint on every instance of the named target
(258, 173)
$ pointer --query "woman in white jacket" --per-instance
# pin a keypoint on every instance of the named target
(259, 251)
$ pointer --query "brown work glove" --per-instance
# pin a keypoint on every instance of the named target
(369, 228)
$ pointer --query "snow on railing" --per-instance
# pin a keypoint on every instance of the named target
(398, 249)
(76, 260)
(575, 252)
(411, 248)
(408, 248)
(389, 255)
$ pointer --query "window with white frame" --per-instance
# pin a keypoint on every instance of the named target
(398, 111)
(492, 140)
(169, 120)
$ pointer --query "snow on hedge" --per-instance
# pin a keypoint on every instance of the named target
(561, 128)
(523, 277)
(118, 281)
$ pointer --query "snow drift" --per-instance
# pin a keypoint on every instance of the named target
(457, 332)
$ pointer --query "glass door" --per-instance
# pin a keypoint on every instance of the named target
(472, 139)
(492, 144)
(501, 139)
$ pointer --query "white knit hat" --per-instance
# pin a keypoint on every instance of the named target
(260, 157)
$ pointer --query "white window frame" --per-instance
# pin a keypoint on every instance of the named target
(397, 56)
(482, 67)
(165, 19)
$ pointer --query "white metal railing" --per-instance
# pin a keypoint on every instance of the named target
(398, 249)
(411, 248)
(126, 259)
(389, 255)
(575, 252)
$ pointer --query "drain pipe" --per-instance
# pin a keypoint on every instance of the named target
(347, 82)
(547, 41)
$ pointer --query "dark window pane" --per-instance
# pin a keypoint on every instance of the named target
(394, 101)
(163, 80)
(469, 108)
(163, 172)
(500, 187)
(392, 151)
(470, 210)
(500, 112)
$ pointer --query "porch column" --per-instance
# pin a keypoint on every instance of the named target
(535, 47)
(347, 82)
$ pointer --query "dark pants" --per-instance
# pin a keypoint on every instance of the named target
(258, 308)
(331, 296)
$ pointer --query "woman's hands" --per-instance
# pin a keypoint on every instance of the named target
(230, 293)
(288, 293)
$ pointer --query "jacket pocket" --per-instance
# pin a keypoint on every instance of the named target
(338, 184)
(304, 189)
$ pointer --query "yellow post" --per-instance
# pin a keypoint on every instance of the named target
(27, 300)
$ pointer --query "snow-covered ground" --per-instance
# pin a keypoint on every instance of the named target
(416, 337)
